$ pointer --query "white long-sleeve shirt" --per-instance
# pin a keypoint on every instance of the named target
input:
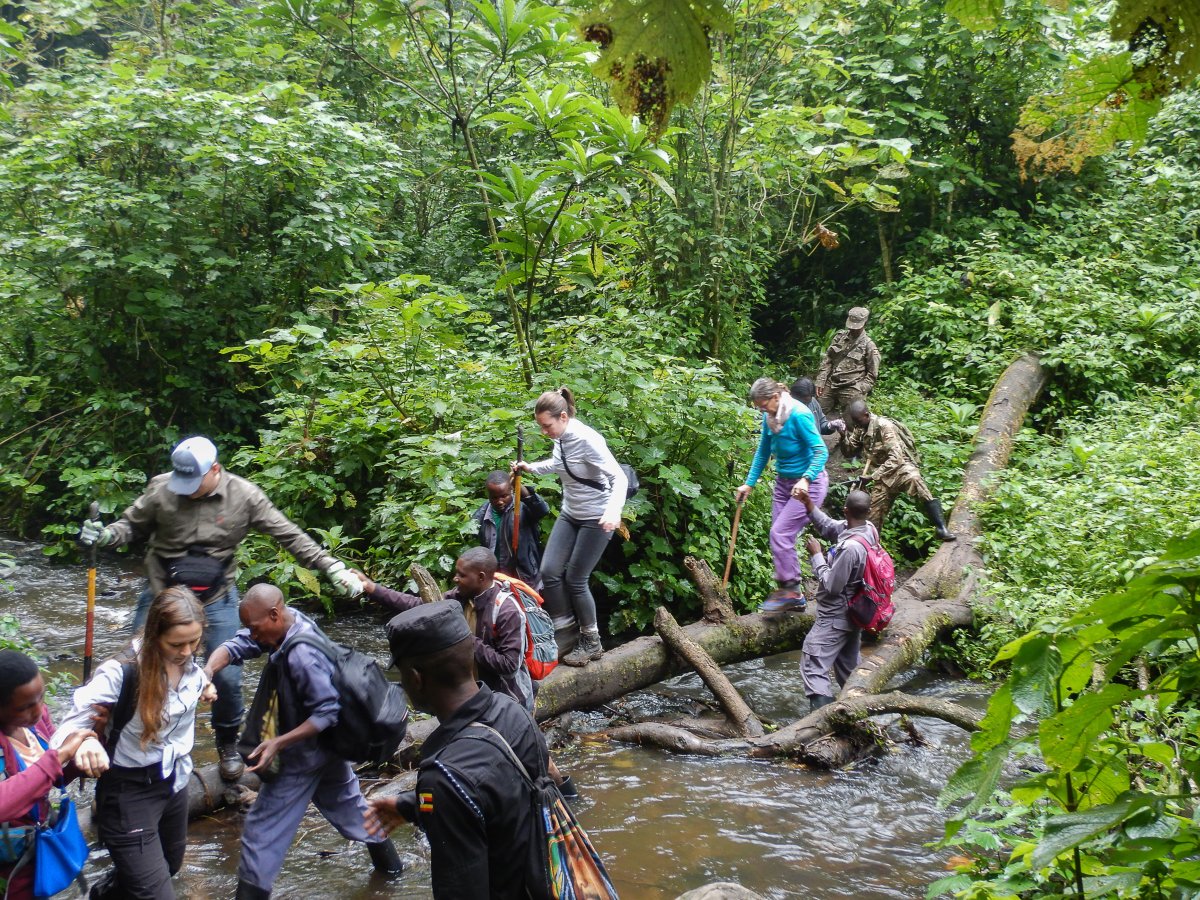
(588, 455)
(172, 749)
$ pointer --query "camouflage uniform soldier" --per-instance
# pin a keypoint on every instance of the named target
(890, 465)
(850, 367)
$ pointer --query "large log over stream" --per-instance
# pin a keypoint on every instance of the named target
(646, 661)
(935, 600)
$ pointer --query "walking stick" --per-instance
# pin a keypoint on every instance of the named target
(516, 535)
(90, 622)
(737, 518)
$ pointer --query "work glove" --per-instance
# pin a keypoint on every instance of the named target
(95, 533)
(838, 425)
(344, 581)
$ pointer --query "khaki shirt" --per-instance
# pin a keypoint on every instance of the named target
(881, 447)
(849, 363)
(218, 522)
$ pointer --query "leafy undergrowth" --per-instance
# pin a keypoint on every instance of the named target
(1080, 512)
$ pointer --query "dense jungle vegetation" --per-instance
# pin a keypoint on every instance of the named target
(352, 240)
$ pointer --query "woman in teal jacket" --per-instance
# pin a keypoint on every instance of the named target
(790, 435)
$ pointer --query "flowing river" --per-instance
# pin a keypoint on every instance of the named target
(664, 823)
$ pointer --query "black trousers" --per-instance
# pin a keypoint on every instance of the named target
(142, 821)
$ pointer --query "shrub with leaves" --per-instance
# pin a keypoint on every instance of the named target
(1101, 710)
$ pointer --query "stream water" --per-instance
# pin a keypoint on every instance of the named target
(664, 824)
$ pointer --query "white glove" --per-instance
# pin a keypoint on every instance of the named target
(838, 425)
(344, 581)
(95, 533)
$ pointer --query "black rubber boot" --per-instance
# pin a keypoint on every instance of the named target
(568, 790)
(385, 858)
(816, 701)
(933, 509)
(248, 891)
(105, 887)
(230, 765)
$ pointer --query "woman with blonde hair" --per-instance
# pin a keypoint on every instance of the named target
(789, 434)
(594, 490)
(145, 763)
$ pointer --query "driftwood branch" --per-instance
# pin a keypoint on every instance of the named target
(740, 714)
(427, 587)
(718, 608)
(830, 737)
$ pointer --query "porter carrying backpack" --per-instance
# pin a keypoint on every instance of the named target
(871, 608)
(541, 649)
(374, 711)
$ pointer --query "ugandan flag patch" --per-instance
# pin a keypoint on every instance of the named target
(426, 802)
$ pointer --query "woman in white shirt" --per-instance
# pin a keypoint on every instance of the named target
(594, 489)
(145, 762)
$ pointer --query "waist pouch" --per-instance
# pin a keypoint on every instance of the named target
(196, 570)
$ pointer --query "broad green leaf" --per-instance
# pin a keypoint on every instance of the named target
(978, 15)
(1069, 830)
(1034, 679)
(654, 53)
(976, 778)
(1068, 736)
(997, 721)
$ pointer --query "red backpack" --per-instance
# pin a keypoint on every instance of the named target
(541, 649)
(871, 609)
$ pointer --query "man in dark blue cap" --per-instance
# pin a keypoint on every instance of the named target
(471, 800)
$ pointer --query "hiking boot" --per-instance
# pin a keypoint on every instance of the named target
(785, 598)
(585, 651)
(385, 858)
(231, 765)
(816, 701)
(933, 510)
(248, 891)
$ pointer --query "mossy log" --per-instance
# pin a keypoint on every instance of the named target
(646, 660)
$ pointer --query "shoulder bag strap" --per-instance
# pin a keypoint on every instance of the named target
(507, 749)
(590, 482)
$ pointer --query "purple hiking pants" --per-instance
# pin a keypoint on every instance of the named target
(788, 518)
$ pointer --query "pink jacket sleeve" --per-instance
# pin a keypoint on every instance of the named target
(20, 790)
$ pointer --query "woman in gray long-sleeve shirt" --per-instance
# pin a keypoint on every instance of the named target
(594, 491)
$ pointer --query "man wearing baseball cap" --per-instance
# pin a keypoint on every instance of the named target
(193, 519)
(850, 367)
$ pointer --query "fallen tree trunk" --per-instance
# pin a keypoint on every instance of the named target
(646, 660)
(740, 715)
(829, 737)
(936, 599)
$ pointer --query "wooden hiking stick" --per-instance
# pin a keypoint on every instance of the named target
(90, 621)
(516, 534)
(737, 518)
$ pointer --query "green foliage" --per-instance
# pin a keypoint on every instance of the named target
(145, 229)
(1104, 321)
(655, 53)
(1108, 808)
(1075, 516)
(388, 424)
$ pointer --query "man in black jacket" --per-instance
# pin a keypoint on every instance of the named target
(471, 800)
(495, 521)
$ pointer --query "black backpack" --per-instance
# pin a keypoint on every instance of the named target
(374, 711)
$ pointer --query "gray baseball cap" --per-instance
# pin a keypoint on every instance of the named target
(190, 462)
